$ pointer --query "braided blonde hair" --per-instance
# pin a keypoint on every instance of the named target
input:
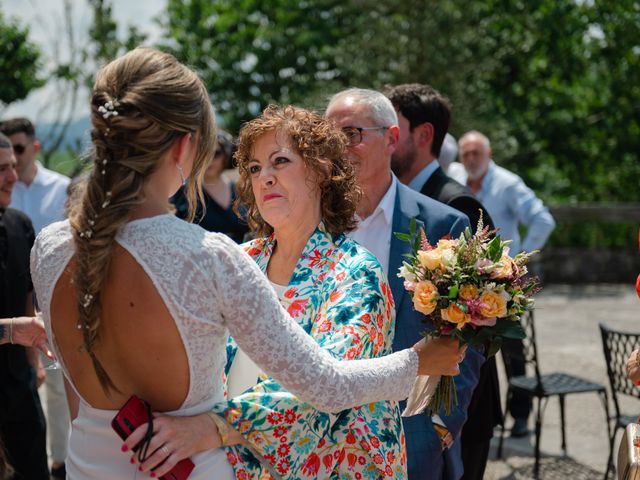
(156, 100)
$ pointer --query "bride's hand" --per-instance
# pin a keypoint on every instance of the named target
(439, 356)
(174, 438)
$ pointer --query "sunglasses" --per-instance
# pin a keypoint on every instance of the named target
(19, 149)
(218, 152)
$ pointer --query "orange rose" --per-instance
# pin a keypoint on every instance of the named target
(454, 314)
(425, 297)
(468, 292)
(506, 269)
(445, 244)
(493, 305)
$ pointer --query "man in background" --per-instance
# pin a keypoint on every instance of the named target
(41, 194)
(511, 204)
(22, 423)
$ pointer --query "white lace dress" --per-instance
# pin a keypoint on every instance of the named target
(212, 288)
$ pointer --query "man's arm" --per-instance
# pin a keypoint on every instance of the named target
(531, 212)
(471, 207)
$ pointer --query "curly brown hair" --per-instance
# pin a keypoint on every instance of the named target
(322, 146)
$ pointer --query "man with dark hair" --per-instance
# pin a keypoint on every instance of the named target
(424, 115)
(41, 194)
(22, 424)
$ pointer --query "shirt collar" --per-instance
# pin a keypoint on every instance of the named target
(40, 178)
(425, 174)
(388, 200)
(386, 205)
(488, 177)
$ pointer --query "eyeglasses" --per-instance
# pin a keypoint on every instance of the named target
(19, 149)
(354, 134)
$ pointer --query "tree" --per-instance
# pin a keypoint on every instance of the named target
(88, 51)
(251, 53)
(553, 83)
(19, 62)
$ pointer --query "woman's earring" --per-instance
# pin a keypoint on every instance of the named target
(184, 181)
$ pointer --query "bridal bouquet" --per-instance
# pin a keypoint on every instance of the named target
(469, 288)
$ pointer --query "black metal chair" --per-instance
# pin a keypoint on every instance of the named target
(617, 346)
(544, 386)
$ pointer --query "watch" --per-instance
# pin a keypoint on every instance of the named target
(446, 439)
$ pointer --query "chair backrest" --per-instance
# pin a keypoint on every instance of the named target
(530, 345)
(617, 346)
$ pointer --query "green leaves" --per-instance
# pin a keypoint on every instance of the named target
(495, 249)
(19, 62)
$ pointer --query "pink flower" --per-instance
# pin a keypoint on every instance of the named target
(483, 321)
(409, 286)
(482, 264)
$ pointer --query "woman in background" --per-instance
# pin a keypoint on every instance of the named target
(219, 193)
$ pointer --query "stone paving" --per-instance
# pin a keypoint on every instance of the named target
(569, 341)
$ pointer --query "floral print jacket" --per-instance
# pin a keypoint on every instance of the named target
(338, 293)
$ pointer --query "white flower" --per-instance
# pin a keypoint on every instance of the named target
(406, 273)
(448, 257)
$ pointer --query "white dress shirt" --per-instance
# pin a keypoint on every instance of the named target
(425, 174)
(374, 232)
(511, 203)
(43, 200)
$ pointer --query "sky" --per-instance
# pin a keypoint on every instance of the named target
(45, 19)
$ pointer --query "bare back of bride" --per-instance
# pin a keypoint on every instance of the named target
(136, 301)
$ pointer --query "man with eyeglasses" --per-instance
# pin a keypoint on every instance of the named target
(371, 124)
(41, 194)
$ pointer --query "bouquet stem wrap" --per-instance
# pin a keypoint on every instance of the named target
(421, 394)
(433, 393)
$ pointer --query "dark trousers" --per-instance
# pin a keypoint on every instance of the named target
(474, 458)
(26, 447)
(513, 355)
(23, 428)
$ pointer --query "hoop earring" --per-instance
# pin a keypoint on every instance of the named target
(184, 181)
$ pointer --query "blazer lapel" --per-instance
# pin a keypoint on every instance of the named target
(404, 210)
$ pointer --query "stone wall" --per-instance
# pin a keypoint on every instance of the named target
(576, 266)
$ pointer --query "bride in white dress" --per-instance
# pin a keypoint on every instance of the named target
(136, 301)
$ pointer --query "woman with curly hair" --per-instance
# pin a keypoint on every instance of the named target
(300, 193)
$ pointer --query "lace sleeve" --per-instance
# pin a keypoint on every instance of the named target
(278, 345)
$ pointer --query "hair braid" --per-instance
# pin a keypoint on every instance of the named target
(156, 100)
